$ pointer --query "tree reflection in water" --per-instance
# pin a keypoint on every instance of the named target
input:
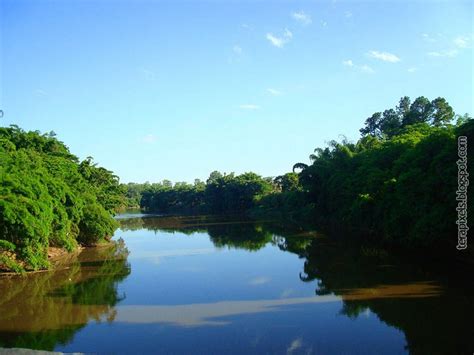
(42, 310)
(432, 305)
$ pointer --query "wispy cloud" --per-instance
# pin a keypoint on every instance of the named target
(302, 17)
(384, 56)
(428, 37)
(274, 92)
(276, 41)
(461, 42)
(280, 41)
(363, 68)
(448, 53)
(412, 70)
(249, 107)
(452, 47)
(348, 63)
(149, 139)
(41, 93)
(366, 69)
(347, 14)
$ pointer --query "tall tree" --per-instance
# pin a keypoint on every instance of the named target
(403, 107)
(372, 125)
(420, 111)
(443, 113)
(390, 123)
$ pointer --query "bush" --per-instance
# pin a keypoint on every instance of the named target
(96, 226)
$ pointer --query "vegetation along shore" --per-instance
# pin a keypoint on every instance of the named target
(395, 186)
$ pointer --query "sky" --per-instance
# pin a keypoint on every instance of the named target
(174, 90)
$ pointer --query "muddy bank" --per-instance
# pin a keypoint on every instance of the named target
(57, 257)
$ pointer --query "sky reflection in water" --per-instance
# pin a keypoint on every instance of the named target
(205, 285)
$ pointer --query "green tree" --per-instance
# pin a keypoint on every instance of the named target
(443, 113)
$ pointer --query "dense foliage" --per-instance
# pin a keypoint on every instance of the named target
(133, 194)
(219, 194)
(395, 185)
(49, 198)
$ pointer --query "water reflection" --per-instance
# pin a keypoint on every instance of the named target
(223, 295)
(432, 325)
(432, 305)
(43, 309)
(212, 313)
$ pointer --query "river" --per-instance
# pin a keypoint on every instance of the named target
(229, 285)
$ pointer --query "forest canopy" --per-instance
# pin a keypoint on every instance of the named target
(50, 199)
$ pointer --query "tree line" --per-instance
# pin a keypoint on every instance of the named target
(395, 185)
(220, 194)
(50, 199)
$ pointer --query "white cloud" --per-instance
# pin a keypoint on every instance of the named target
(324, 23)
(384, 56)
(412, 70)
(449, 53)
(149, 138)
(237, 49)
(348, 63)
(249, 107)
(274, 92)
(461, 42)
(302, 17)
(363, 68)
(280, 41)
(348, 14)
(276, 41)
(458, 44)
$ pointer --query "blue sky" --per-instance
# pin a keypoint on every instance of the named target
(174, 90)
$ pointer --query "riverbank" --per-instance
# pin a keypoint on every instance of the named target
(58, 258)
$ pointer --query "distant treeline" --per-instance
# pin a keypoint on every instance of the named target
(220, 194)
(49, 198)
(396, 184)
